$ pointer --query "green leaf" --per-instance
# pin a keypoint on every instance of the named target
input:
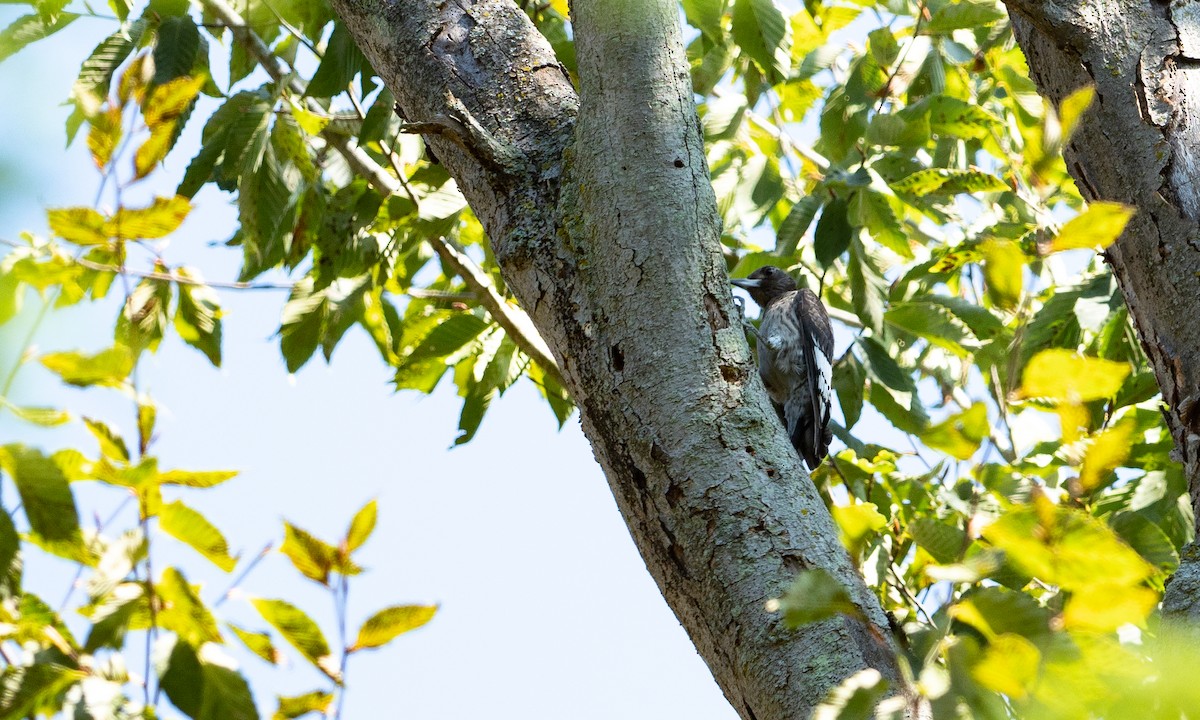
(996, 611)
(385, 625)
(934, 323)
(793, 227)
(1147, 539)
(29, 29)
(183, 612)
(1060, 374)
(313, 557)
(122, 609)
(858, 523)
(95, 76)
(45, 493)
(258, 643)
(1097, 227)
(944, 181)
(884, 367)
(175, 48)
(301, 324)
(10, 543)
(189, 526)
(112, 445)
(341, 62)
(450, 335)
(298, 705)
(28, 688)
(944, 543)
(951, 117)
(301, 632)
(143, 321)
(158, 220)
(705, 16)
(198, 316)
(866, 287)
(832, 236)
(761, 30)
(960, 435)
(202, 685)
(965, 14)
(361, 526)
(849, 380)
(815, 595)
(147, 414)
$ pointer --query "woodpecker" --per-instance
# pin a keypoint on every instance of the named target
(795, 358)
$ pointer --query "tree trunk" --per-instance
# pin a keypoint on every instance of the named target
(604, 223)
(1140, 145)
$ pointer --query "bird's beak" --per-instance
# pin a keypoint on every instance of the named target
(746, 283)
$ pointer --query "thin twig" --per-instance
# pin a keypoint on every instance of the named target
(242, 575)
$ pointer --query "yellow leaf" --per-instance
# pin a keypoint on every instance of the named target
(1097, 227)
(104, 135)
(171, 99)
(1060, 374)
(560, 7)
(1075, 421)
(134, 80)
(1003, 271)
(310, 122)
(1073, 107)
(1109, 449)
(158, 220)
(80, 225)
(1104, 608)
(959, 435)
(151, 153)
(858, 522)
(1009, 665)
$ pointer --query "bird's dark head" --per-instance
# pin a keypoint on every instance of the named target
(766, 283)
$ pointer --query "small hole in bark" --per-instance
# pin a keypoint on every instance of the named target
(749, 450)
(618, 358)
(639, 479)
(674, 495)
(678, 163)
(730, 373)
(770, 472)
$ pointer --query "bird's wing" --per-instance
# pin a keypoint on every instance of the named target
(817, 344)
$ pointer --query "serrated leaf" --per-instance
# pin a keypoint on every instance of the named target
(849, 380)
(45, 493)
(361, 526)
(91, 86)
(198, 315)
(1061, 374)
(951, 117)
(314, 558)
(1097, 227)
(866, 288)
(341, 61)
(258, 643)
(29, 29)
(944, 181)
(177, 42)
(191, 527)
(450, 335)
(27, 688)
(934, 323)
(301, 324)
(1147, 539)
(104, 134)
(158, 220)
(183, 612)
(169, 101)
(151, 152)
(385, 625)
(797, 222)
(300, 631)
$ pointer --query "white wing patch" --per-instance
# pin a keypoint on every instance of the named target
(824, 379)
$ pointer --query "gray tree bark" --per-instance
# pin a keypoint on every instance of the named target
(1140, 145)
(601, 216)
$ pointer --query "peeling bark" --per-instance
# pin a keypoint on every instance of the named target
(603, 221)
(1140, 145)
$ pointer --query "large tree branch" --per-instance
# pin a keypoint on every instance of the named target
(1140, 144)
(514, 321)
(607, 232)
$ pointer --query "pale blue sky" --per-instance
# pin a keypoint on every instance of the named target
(547, 610)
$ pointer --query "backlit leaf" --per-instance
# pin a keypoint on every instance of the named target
(45, 493)
(183, 612)
(1097, 227)
(760, 29)
(82, 226)
(158, 220)
(385, 625)
(191, 527)
(960, 435)
(298, 705)
(361, 526)
(300, 631)
(1064, 375)
(1009, 665)
(815, 595)
(258, 643)
(198, 315)
(313, 557)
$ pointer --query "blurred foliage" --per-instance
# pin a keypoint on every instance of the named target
(1018, 524)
